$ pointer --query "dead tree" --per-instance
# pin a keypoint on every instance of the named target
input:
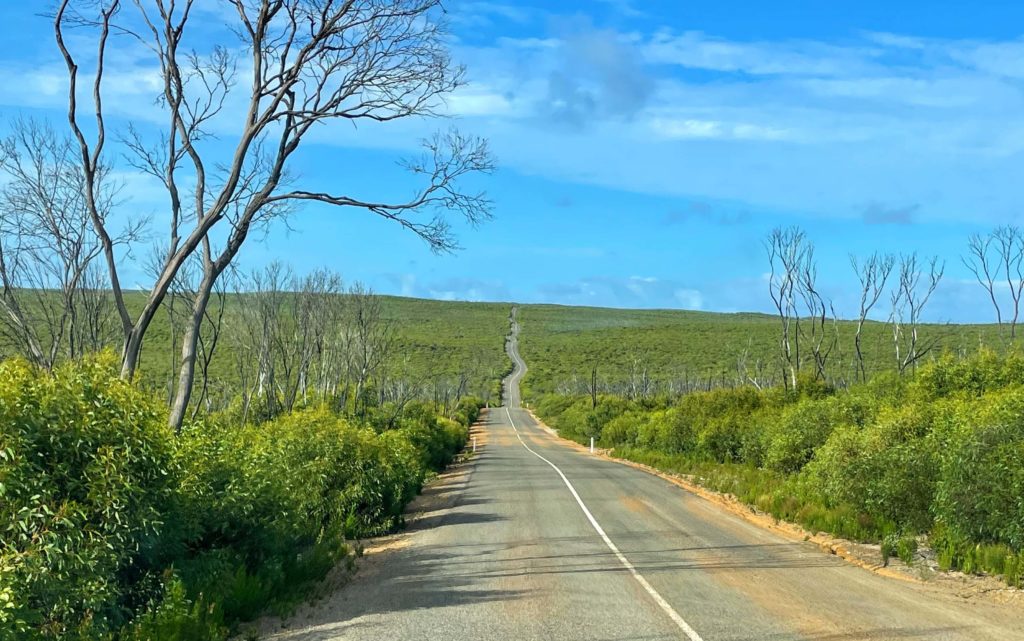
(593, 388)
(97, 322)
(872, 275)
(822, 341)
(47, 245)
(315, 314)
(209, 339)
(1011, 261)
(639, 381)
(787, 254)
(743, 374)
(999, 255)
(982, 263)
(369, 337)
(909, 297)
(308, 62)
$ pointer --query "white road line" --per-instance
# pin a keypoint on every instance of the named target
(660, 600)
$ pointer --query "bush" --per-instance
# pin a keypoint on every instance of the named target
(982, 471)
(802, 428)
(86, 477)
(940, 453)
(888, 470)
(114, 526)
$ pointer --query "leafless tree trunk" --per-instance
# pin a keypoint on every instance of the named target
(787, 253)
(822, 342)
(46, 244)
(982, 264)
(909, 297)
(369, 338)
(999, 254)
(97, 327)
(208, 342)
(1011, 260)
(593, 388)
(310, 62)
(872, 275)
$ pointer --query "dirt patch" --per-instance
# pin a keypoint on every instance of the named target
(633, 504)
(863, 555)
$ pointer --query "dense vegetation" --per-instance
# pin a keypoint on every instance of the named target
(432, 343)
(678, 351)
(115, 527)
(940, 453)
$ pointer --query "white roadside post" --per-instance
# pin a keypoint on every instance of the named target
(474, 445)
(591, 444)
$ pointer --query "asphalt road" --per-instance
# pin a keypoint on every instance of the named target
(537, 539)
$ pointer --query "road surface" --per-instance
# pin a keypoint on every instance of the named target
(537, 539)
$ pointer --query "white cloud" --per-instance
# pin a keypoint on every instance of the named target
(798, 125)
(478, 100)
(688, 128)
(689, 298)
(697, 50)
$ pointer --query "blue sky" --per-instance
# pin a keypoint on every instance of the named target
(646, 148)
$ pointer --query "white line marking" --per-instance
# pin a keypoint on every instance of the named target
(669, 610)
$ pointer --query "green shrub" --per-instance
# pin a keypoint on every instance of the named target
(888, 470)
(938, 453)
(176, 617)
(112, 525)
(982, 470)
(802, 428)
(86, 476)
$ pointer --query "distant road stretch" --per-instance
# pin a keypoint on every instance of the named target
(541, 540)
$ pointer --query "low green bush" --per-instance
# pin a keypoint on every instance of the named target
(114, 527)
(86, 484)
(939, 453)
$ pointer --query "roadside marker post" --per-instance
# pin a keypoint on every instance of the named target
(474, 445)
(591, 444)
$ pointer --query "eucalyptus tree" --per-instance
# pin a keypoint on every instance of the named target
(278, 71)
(787, 250)
(917, 280)
(997, 258)
(872, 274)
(48, 298)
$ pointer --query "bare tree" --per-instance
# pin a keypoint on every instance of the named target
(787, 254)
(263, 309)
(999, 255)
(97, 320)
(369, 337)
(909, 297)
(982, 264)
(639, 381)
(1011, 262)
(309, 62)
(317, 313)
(47, 245)
(758, 378)
(209, 340)
(872, 275)
(822, 341)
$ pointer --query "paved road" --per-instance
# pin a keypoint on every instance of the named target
(537, 539)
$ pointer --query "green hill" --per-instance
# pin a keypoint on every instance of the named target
(562, 345)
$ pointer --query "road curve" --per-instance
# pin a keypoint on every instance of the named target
(510, 386)
(537, 539)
